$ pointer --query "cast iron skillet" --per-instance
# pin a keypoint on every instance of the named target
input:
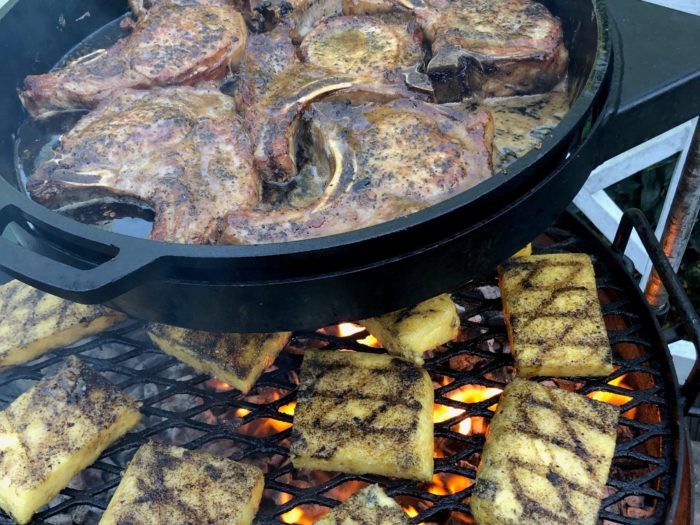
(310, 283)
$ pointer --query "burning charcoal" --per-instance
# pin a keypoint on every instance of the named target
(553, 316)
(411, 332)
(166, 484)
(34, 322)
(237, 359)
(546, 459)
(53, 431)
(634, 507)
(363, 414)
(370, 505)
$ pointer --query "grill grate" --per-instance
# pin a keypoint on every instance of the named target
(186, 408)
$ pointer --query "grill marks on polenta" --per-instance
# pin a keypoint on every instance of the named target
(33, 322)
(364, 414)
(553, 316)
(546, 459)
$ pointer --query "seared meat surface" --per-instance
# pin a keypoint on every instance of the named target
(180, 150)
(377, 171)
(299, 16)
(154, 54)
(510, 47)
(346, 53)
(361, 45)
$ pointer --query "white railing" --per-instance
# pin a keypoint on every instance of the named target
(595, 203)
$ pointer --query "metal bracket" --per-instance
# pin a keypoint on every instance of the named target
(634, 218)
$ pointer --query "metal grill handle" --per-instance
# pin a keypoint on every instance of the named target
(679, 299)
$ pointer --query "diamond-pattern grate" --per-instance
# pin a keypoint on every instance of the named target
(183, 407)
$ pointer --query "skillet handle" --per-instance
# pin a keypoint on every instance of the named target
(99, 282)
(634, 218)
(657, 74)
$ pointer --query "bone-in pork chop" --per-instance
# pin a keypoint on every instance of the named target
(506, 47)
(169, 45)
(182, 151)
(273, 86)
(386, 160)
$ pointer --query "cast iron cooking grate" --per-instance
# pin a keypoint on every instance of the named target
(183, 407)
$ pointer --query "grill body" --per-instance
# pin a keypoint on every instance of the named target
(183, 407)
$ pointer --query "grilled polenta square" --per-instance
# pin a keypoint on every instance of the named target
(363, 414)
(524, 252)
(237, 359)
(33, 322)
(553, 316)
(546, 459)
(165, 485)
(53, 431)
(411, 332)
(370, 505)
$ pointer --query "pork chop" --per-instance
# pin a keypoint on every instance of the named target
(386, 160)
(362, 45)
(497, 47)
(155, 54)
(182, 151)
(273, 87)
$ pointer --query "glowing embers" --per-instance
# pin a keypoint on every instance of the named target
(276, 421)
(264, 412)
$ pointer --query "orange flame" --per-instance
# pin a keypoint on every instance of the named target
(465, 394)
(346, 329)
(370, 341)
(241, 412)
(296, 516)
(444, 484)
(616, 399)
(288, 408)
(411, 511)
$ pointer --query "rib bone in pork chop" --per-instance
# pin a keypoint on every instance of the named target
(181, 150)
(273, 86)
(386, 160)
(169, 45)
(492, 47)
